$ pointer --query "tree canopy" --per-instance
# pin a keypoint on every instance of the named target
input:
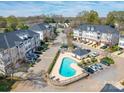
(3, 22)
(90, 17)
(115, 16)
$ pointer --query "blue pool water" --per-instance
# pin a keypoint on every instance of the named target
(65, 69)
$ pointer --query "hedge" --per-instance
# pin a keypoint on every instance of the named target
(53, 63)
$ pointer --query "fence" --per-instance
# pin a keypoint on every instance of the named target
(68, 81)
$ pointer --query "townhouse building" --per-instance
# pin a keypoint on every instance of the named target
(96, 34)
(44, 30)
(16, 45)
(121, 42)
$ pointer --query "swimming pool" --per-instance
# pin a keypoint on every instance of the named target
(65, 69)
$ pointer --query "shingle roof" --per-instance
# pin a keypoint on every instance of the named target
(13, 37)
(80, 52)
(110, 88)
(39, 27)
(100, 28)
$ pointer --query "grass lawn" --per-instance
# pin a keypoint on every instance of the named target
(6, 84)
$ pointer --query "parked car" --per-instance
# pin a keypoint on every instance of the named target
(88, 50)
(105, 63)
(89, 70)
(99, 66)
(38, 52)
(104, 47)
(94, 54)
(94, 68)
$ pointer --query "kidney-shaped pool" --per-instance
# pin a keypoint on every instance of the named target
(66, 70)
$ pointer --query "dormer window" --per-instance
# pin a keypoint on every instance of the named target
(92, 28)
(23, 36)
(88, 28)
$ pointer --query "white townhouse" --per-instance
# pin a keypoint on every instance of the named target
(44, 30)
(121, 42)
(97, 34)
(15, 46)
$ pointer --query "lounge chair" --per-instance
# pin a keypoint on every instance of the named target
(52, 77)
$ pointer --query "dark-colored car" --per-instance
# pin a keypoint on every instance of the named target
(88, 50)
(89, 70)
(105, 63)
(38, 52)
(103, 47)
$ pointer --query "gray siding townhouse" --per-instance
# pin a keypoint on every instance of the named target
(44, 30)
(121, 42)
(97, 34)
(16, 45)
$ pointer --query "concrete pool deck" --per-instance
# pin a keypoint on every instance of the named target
(56, 68)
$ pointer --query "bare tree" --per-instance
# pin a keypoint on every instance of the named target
(69, 38)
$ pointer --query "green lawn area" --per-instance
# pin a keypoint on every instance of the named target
(6, 84)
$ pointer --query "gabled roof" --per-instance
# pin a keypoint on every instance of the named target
(80, 52)
(100, 28)
(110, 88)
(39, 27)
(11, 38)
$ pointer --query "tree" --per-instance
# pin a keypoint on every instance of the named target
(67, 21)
(110, 20)
(90, 17)
(9, 29)
(12, 22)
(22, 26)
(69, 38)
(49, 20)
(93, 17)
(3, 22)
(115, 17)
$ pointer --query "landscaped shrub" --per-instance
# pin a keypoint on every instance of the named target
(6, 84)
(93, 59)
(114, 48)
(108, 60)
(80, 64)
(53, 63)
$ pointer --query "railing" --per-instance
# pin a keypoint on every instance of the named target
(68, 81)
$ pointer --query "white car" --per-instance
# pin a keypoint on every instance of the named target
(93, 68)
(94, 54)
